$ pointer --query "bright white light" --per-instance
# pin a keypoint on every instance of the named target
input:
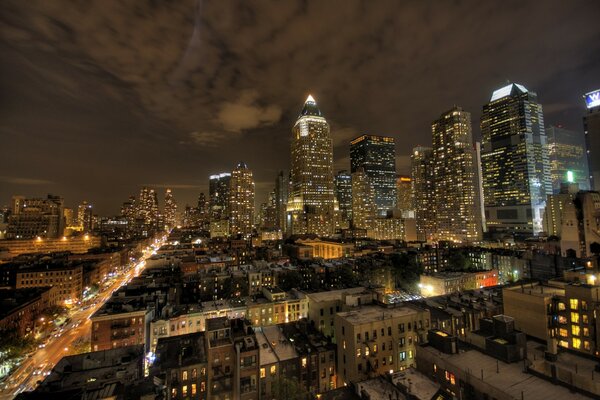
(310, 99)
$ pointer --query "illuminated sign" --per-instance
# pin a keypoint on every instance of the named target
(592, 99)
(570, 177)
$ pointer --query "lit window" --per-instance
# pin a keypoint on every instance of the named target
(263, 372)
(563, 332)
(184, 376)
(193, 389)
(304, 362)
(184, 390)
(575, 330)
(576, 343)
(574, 304)
(574, 318)
(358, 352)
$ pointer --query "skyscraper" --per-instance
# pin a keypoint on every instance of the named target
(218, 195)
(568, 158)
(423, 190)
(591, 128)
(170, 210)
(516, 171)
(147, 210)
(404, 201)
(241, 201)
(343, 194)
(310, 207)
(455, 177)
(364, 208)
(85, 216)
(377, 156)
(282, 185)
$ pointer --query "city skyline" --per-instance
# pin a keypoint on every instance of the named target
(217, 119)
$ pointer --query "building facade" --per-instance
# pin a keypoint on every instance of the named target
(364, 207)
(218, 195)
(310, 209)
(343, 194)
(241, 201)
(170, 212)
(454, 170)
(36, 217)
(376, 155)
(591, 130)
(516, 170)
(568, 158)
(423, 190)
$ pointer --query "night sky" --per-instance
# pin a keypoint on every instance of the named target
(100, 97)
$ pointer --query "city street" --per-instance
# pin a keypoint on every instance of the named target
(34, 368)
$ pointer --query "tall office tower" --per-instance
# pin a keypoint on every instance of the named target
(128, 210)
(377, 155)
(35, 217)
(85, 217)
(479, 186)
(282, 185)
(170, 211)
(516, 170)
(310, 208)
(591, 128)
(343, 194)
(67, 213)
(202, 211)
(568, 158)
(404, 200)
(455, 174)
(423, 190)
(241, 201)
(580, 224)
(147, 208)
(218, 195)
(364, 207)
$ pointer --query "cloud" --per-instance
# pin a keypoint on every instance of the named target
(246, 113)
(208, 139)
(25, 181)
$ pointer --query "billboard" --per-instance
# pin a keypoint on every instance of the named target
(592, 99)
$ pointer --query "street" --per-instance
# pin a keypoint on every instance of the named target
(41, 362)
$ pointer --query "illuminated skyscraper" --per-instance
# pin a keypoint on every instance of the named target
(36, 217)
(85, 216)
(364, 208)
(404, 200)
(310, 208)
(455, 177)
(241, 201)
(170, 210)
(514, 154)
(218, 195)
(377, 156)
(147, 210)
(343, 194)
(423, 190)
(282, 186)
(591, 128)
(568, 158)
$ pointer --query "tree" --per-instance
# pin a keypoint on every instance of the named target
(458, 261)
(288, 388)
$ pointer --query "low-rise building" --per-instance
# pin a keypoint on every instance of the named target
(442, 283)
(373, 340)
(67, 278)
(21, 309)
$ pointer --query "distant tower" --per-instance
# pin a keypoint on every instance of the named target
(85, 216)
(282, 185)
(364, 208)
(591, 128)
(147, 208)
(241, 201)
(568, 158)
(343, 194)
(516, 171)
(423, 192)
(404, 200)
(170, 210)
(218, 195)
(455, 177)
(310, 207)
(377, 156)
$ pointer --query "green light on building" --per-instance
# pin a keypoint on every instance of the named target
(570, 177)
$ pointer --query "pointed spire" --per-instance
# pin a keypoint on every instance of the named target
(310, 108)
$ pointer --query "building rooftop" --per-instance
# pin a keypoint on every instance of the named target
(367, 314)
(181, 351)
(13, 299)
(332, 295)
(510, 379)
(537, 290)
